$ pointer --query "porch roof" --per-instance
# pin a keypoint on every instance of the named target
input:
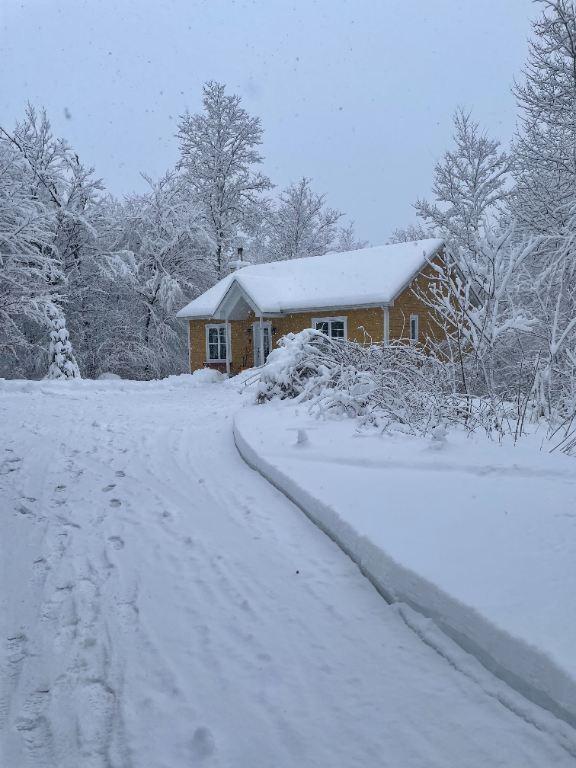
(364, 277)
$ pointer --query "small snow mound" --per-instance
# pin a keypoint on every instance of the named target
(108, 375)
(207, 376)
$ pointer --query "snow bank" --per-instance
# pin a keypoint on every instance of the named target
(110, 381)
(481, 538)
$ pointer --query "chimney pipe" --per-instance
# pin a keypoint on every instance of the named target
(239, 262)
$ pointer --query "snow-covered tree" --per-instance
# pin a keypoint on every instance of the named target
(474, 293)
(410, 233)
(157, 251)
(31, 275)
(28, 269)
(65, 190)
(544, 201)
(62, 363)
(346, 239)
(302, 224)
(545, 147)
(470, 190)
(219, 156)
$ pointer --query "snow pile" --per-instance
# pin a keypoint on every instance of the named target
(476, 535)
(395, 384)
(109, 382)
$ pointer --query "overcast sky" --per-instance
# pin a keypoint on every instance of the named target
(357, 94)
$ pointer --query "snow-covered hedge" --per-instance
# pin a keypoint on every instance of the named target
(384, 384)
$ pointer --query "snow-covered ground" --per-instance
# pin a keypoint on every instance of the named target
(478, 535)
(163, 606)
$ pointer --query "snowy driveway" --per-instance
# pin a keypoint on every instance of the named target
(162, 606)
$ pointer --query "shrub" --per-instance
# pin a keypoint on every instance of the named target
(384, 384)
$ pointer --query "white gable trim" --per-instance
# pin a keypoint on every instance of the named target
(234, 288)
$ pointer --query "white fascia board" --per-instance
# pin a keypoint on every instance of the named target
(337, 308)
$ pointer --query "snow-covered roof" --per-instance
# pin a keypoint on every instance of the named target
(368, 276)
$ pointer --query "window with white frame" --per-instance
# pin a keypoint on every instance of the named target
(413, 328)
(335, 327)
(216, 343)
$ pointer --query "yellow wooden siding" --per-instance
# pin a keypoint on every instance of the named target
(408, 303)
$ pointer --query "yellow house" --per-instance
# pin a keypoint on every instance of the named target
(367, 295)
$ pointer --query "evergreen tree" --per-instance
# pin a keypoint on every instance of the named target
(62, 363)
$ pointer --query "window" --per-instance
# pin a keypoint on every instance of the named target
(335, 327)
(413, 328)
(216, 346)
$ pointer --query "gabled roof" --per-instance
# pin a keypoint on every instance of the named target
(368, 276)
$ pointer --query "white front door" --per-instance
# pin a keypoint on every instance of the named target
(267, 342)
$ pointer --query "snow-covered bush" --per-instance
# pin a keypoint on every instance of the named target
(384, 384)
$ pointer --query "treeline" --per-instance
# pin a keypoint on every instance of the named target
(507, 303)
(90, 283)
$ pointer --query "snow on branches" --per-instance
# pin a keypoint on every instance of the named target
(396, 385)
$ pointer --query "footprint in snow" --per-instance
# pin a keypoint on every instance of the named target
(11, 464)
(60, 488)
(120, 473)
(40, 567)
(24, 510)
(115, 503)
(109, 487)
(116, 541)
(203, 744)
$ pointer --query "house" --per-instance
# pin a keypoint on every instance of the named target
(366, 295)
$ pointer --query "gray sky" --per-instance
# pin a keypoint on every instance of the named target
(357, 94)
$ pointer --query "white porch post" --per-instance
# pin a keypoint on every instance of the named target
(386, 334)
(261, 341)
(228, 346)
